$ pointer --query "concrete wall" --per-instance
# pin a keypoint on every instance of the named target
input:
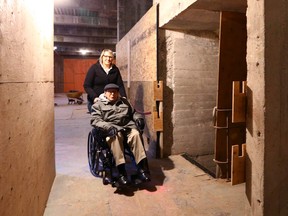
(129, 13)
(267, 124)
(27, 106)
(139, 68)
(188, 64)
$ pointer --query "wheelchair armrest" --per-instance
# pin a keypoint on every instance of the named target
(99, 132)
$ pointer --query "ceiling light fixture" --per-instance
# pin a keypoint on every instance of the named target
(84, 51)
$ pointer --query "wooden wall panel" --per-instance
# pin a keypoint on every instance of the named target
(142, 40)
(27, 153)
(74, 73)
(136, 55)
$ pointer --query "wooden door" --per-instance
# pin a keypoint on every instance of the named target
(75, 72)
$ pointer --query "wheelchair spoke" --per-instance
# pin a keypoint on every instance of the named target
(91, 152)
(96, 158)
(94, 154)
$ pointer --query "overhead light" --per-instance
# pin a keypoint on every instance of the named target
(84, 51)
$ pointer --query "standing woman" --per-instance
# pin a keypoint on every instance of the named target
(101, 74)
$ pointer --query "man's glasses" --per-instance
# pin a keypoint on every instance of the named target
(112, 91)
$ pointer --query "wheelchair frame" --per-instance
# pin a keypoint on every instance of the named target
(96, 153)
(100, 158)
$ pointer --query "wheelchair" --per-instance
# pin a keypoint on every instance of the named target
(101, 161)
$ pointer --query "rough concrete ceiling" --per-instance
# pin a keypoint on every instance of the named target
(221, 5)
(204, 15)
(84, 24)
(92, 24)
(195, 19)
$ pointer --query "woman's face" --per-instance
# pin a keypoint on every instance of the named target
(107, 59)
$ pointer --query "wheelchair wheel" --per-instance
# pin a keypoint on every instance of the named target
(93, 156)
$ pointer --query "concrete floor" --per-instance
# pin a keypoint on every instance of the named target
(177, 187)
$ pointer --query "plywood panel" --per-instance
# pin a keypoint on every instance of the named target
(239, 102)
(27, 151)
(137, 60)
(238, 164)
(158, 91)
(141, 42)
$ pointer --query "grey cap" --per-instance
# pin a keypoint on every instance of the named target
(111, 86)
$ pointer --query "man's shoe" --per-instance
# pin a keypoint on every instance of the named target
(144, 176)
(122, 181)
(143, 170)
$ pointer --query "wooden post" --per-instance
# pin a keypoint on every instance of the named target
(158, 113)
(239, 102)
(238, 165)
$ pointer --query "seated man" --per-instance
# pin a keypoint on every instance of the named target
(118, 118)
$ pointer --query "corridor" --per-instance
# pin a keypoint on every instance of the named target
(177, 187)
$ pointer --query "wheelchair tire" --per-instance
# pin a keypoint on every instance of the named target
(93, 156)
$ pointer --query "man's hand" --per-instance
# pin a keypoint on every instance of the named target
(96, 99)
(140, 123)
(112, 131)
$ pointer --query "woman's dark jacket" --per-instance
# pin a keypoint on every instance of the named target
(97, 78)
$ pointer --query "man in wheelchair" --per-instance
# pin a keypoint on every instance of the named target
(120, 121)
